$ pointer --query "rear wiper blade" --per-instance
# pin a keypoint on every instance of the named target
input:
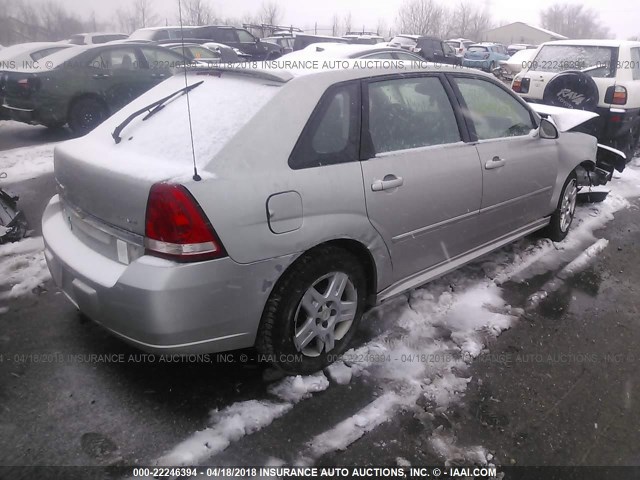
(152, 109)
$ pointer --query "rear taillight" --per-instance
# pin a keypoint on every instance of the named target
(619, 95)
(176, 227)
(616, 95)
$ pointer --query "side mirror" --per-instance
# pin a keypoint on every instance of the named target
(548, 130)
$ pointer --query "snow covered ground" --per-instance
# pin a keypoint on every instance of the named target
(421, 343)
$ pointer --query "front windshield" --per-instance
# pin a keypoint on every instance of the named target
(599, 61)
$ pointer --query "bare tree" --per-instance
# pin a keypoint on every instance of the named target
(573, 21)
(347, 22)
(381, 27)
(423, 17)
(335, 25)
(197, 12)
(139, 15)
(270, 13)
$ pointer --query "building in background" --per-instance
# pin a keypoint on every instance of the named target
(520, 32)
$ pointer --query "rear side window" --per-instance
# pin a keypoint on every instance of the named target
(116, 59)
(635, 63)
(495, 113)
(410, 113)
(43, 53)
(162, 58)
(77, 40)
(225, 35)
(332, 134)
(245, 37)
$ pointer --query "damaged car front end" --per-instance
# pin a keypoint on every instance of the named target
(595, 171)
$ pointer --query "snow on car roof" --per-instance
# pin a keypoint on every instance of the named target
(336, 50)
(27, 48)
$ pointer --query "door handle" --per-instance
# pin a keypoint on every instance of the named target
(389, 182)
(100, 76)
(495, 162)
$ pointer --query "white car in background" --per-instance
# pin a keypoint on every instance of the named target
(96, 38)
(601, 76)
(517, 62)
(460, 45)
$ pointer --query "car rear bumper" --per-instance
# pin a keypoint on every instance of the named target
(24, 115)
(483, 64)
(157, 305)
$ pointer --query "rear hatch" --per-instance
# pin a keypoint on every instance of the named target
(553, 59)
(477, 53)
(104, 186)
(17, 88)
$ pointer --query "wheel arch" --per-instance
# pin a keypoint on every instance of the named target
(81, 96)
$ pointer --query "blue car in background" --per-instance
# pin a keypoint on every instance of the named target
(485, 56)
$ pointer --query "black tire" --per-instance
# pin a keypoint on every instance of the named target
(86, 114)
(283, 310)
(557, 230)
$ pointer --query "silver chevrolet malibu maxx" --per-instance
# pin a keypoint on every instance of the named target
(287, 203)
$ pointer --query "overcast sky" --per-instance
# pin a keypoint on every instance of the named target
(621, 16)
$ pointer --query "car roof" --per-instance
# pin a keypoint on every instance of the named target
(168, 27)
(286, 70)
(100, 33)
(338, 50)
(596, 43)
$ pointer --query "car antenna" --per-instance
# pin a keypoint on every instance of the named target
(196, 177)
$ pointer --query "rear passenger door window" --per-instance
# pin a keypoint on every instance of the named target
(332, 134)
(493, 111)
(410, 113)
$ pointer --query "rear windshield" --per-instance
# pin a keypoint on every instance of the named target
(77, 40)
(454, 44)
(596, 61)
(45, 52)
(107, 38)
(219, 109)
(404, 41)
(478, 48)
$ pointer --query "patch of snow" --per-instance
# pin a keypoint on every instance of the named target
(243, 418)
(445, 446)
(295, 389)
(24, 163)
(354, 427)
(339, 373)
(22, 267)
(231, 424)
(403, 462)
(4, 310)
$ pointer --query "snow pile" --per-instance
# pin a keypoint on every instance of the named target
(25, 163)
(353, 428)
(444, 445)
(294, 389)
(243, 418)
(231, 424)
(22, 267)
